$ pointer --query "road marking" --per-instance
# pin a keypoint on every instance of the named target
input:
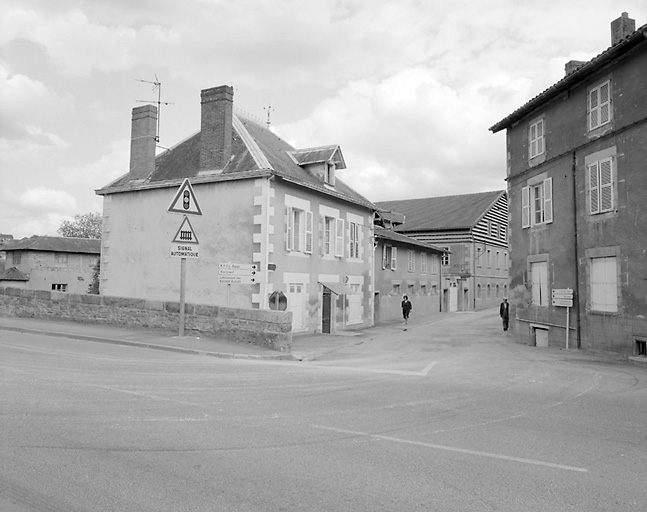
(454, 449)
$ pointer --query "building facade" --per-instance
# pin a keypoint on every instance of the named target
(262, 204)
(472, 229)
(578, 189)
(405, 266)
(50, 263)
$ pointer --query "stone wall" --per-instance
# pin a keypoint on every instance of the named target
(269, 329)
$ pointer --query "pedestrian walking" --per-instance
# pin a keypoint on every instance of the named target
(504, 313)
(406, 308)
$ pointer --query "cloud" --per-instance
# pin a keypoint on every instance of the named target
(99, 173)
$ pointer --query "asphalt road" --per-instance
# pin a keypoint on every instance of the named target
(449, 416)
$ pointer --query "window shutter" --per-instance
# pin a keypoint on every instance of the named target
(548, 200)
(322, 235)
(383, 257)
(309, 234)
(525, 207)
(606, 186)
(339, 238)
(593, 109)
(289, 228)
(594, 189)
(605, 98)
(394, 257)
(540, 137)
(533, 140)
(360, 242)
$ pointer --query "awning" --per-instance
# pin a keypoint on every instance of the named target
(338, 288)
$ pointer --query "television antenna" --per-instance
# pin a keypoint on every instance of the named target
(157, 86)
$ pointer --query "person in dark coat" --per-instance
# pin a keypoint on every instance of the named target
(504, 313)
(406, 308)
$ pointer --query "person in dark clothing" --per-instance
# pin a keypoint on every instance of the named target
(406, 308)
(504, 313)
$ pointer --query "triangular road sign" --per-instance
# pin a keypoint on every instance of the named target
(185, 235)
(185, 201)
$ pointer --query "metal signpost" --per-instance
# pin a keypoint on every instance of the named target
(563, 297)
(237, 273)
(185, 243)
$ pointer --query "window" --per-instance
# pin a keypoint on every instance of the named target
(16, 257)
(537, 204)
(539, 283)
(536, 138)
(61, 258)
(505, 261)
(488, 258)
(298, 225)
(434, 264)
(423, 263)
(479, 253)
(445, 258)
(59, 287)
(354, 235)
(329, 237)
(604, 284)
(411, 289)
(329, 174)
(339, 238)
(600, 105)
(411, 261)
(395, 289)
(497, 262)
(600, 185)
(389, 257)
(423, 289)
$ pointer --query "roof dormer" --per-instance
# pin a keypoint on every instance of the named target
(321, 162)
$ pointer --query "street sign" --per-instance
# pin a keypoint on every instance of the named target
(238, 279)
(185, 200)
(236, 272)
(562, 293)
(568, 303)
(184, 250)
(238, 266)
(185, 235)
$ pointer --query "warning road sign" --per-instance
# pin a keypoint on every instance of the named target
(185, 200)
(185, 235)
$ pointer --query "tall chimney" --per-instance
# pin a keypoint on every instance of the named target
(622, 27)
(143, 141)
(215, 132)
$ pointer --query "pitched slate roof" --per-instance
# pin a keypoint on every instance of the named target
(256, 152)
(387, 234)
(442, 213)
(13, 274)
(54, 244)
(571, 80)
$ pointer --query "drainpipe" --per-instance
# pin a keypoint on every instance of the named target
(575, 247)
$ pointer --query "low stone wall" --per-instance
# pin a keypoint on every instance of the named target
(269, 329)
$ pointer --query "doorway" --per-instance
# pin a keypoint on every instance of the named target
(326, 312)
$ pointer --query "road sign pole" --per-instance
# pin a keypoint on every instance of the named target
(182, 286)
(228, 292)
(568, 316)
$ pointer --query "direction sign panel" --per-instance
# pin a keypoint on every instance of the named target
(238, 266)
(184, 250)
(238, 279)
(236, 272)
(568, 303)
(185, 200)
(562, 293)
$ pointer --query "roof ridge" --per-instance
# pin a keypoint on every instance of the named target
(259, 157)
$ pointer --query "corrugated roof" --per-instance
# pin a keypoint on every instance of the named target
(387, 234)
(569, 81)
(338, 288)
(54, 244)
(255, 151)
(442, 213)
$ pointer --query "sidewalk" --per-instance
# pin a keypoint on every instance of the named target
(305, 347)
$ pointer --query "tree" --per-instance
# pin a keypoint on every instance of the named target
(88, 225)
(96, 275)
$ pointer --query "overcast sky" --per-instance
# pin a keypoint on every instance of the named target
(407, 88)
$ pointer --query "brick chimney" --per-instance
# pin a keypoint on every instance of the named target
(143, 141)
(215, 132)
(622, 27)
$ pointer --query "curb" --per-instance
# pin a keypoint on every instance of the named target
(153, 346)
